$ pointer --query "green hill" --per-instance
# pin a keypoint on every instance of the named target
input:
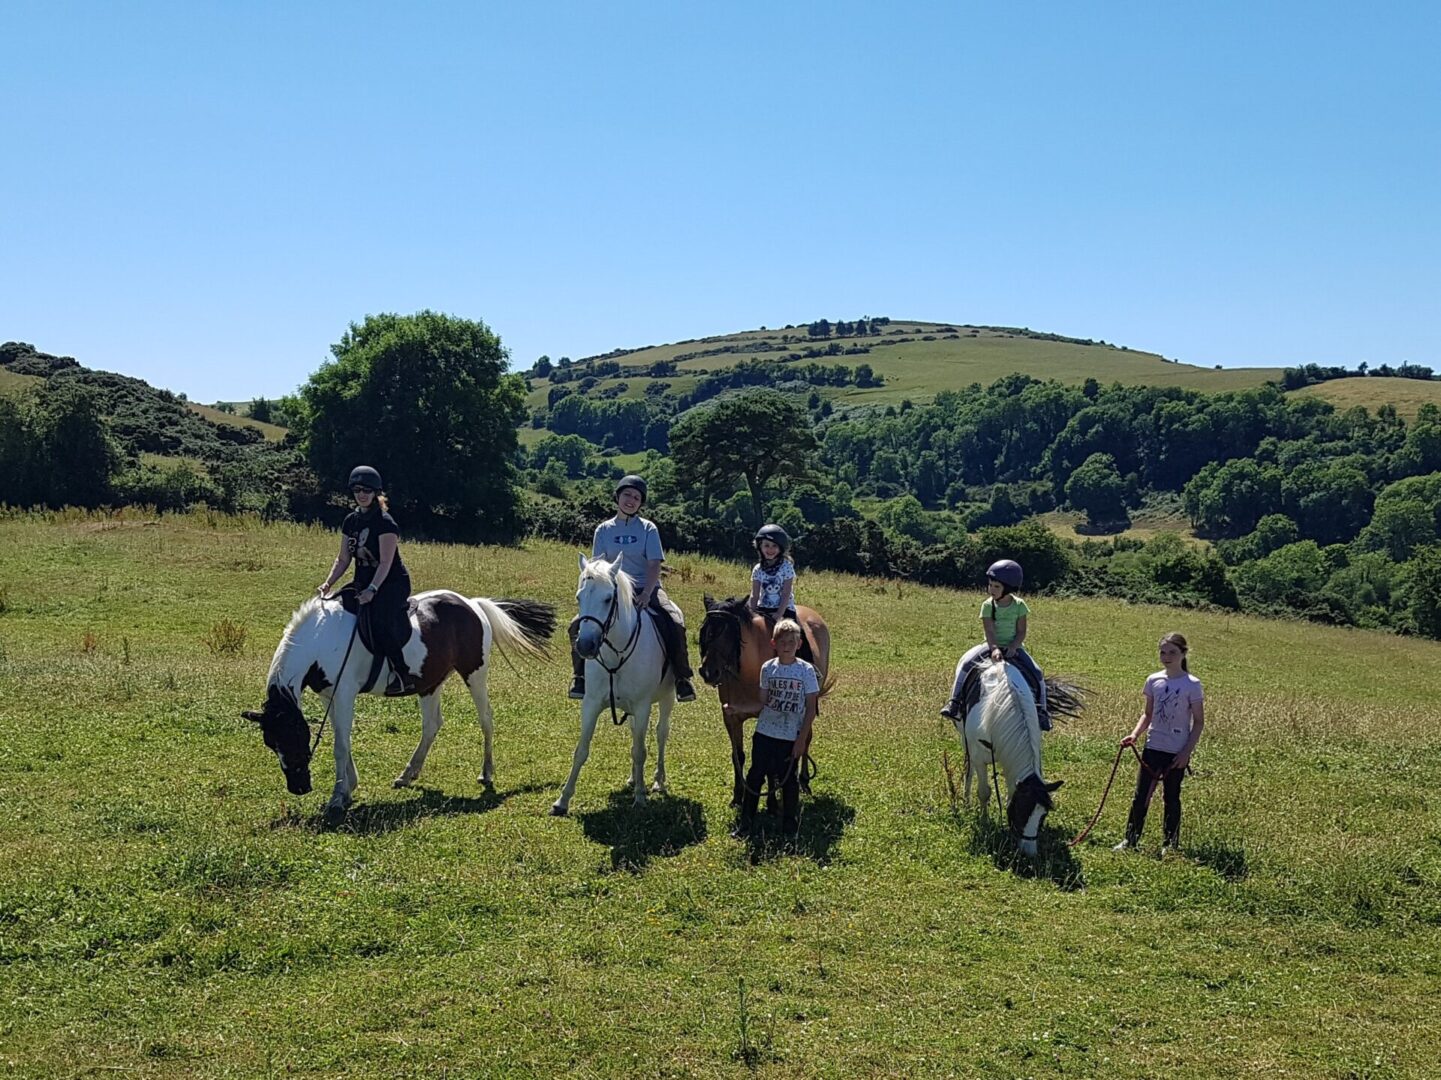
(1406, 395)
(167, 910)
(919, 359)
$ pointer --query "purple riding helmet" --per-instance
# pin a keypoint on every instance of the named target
(1008, 572)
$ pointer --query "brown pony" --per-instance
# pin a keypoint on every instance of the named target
(735, 641)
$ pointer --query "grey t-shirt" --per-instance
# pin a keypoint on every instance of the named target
(785, 687)
(636, 541)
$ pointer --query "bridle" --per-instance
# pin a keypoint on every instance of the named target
(623, 655)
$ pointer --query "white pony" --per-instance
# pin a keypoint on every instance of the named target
(320, 650)
(1002, 728)
(625, 671)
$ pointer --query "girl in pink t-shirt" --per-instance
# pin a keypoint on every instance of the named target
(1174, 716)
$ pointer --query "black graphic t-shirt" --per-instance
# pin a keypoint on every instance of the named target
(362, 533)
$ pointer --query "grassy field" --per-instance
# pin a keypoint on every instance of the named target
(272, 432)
(1408, 395)
(167, 910)
(11, 383)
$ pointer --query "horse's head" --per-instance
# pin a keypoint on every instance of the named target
(603, 595)
(720, 642)
(1029, 805)
(283, 727)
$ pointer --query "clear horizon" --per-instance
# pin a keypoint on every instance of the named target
(205, 196)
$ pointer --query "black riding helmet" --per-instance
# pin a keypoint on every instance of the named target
(365, 476)
(775, 534)
(632, 481)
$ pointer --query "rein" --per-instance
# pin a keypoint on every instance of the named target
(1156, 778)
(320, 731)
(624, 654)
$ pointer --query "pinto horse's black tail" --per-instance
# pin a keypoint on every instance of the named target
(1065, 699)
(535, 618)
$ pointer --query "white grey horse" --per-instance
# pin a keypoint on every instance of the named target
(625, 673)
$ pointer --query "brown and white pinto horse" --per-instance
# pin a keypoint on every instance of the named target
(735, 641)
(321, 651)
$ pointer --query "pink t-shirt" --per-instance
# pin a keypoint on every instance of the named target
(1172, 702)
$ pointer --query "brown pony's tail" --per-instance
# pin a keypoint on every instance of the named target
(828, 684)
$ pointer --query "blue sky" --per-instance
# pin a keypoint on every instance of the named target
(206, 194)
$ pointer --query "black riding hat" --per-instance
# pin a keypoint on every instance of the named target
(632, 481)
(775, 534)
(365, 476)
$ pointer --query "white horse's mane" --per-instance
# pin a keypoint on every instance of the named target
(303, 614)
(997, 706)
(612, 575)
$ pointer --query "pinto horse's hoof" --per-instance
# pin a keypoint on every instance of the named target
(557, 810)
(334, 816)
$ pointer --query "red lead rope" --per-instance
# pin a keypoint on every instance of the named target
(1156, 778)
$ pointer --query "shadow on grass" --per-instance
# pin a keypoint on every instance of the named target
(1054, 861)
(374, 819)
(1228, 861)
(824, 819)
(666, 825)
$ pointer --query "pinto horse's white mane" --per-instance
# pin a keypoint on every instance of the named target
(1009, 722)
(312, 610)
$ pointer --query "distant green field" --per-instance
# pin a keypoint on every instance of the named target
(272, 432)
(1407, 395)
(11, 383)
(167, 910)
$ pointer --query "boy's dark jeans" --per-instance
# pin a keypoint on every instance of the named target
(771, 759)
(1156, 762)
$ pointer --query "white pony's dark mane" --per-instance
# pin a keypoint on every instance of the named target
(303, 614)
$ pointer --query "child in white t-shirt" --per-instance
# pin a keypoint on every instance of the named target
(790, 691)
(1174, 716)
(773, 579)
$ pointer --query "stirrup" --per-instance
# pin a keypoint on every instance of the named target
(577, 688)
(684, 690)
(400, 686)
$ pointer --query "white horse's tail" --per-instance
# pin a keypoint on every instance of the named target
(522, 626)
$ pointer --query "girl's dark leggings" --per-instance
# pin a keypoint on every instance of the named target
(1157, 762)
(771, 758)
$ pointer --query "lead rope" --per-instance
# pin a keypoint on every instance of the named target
(320, 731)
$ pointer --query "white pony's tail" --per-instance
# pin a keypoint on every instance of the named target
(524, 626)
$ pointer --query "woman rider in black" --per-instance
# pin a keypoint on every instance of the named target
(370, 537)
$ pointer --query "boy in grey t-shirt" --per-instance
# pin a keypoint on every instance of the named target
(637, 542)
(791, 692)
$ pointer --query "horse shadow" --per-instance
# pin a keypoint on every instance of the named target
(824, 820)
(664, 827)
(376, 819)
(1054, 860)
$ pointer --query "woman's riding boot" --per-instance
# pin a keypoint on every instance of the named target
(577, 674)
(402, 681)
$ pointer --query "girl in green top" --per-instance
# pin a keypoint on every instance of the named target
(1003, 616)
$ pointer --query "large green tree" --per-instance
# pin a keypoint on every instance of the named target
(1097, 489)
(425, 399)
(759, 436)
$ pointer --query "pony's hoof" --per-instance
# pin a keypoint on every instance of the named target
(402, 781)
(559, 810)
(658, 788)
(487, 783)
(334, 816)
(640, 800)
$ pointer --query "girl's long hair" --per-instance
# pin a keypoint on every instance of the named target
(1180, 643)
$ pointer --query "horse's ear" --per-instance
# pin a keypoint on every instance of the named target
(1054, 785)
(583, 561)
(252, 715)
(709, 602)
